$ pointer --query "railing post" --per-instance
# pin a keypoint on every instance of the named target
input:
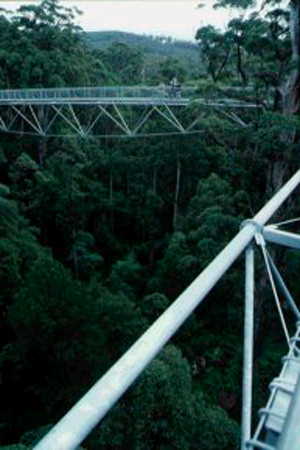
(248, 346)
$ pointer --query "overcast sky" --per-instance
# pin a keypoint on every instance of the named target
(177, 18)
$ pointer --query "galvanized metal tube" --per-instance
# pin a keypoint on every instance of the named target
(280, 237)
(248, 347)
(290, 435)
(84, 416)
(284, 288)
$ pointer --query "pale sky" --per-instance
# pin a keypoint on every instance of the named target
(176, 18)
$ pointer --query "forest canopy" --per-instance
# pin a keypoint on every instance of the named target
(99, 236)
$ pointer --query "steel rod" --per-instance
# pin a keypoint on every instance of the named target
(248, 346)
(280, 237)
(284, 288)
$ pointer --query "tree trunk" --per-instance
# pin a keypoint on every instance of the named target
(42, 149)
(276, 176)
(177, 189)
(127, 184)
(75, 255)
(111, 200)
(154, 181)
(291, 91)
(240, 66)
(223, 64)
(279, 167)
(42, 146)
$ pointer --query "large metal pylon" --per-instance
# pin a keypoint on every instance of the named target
(278, 428)
(106, 111)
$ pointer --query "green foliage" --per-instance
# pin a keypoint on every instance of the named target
(154, 305)
(215, 430)
(254, 51)
(15, 447)
(215, 50)
(162, 412)
(91, 253)
(125, 61)
(52, 311)
(44, 32)
(73, 331)
(85, 259)
(243, 4)
(125, 274)
(18, 246)
(156, 50)
(8, 210)
(176, 268)
(31, 438)
(170, 68)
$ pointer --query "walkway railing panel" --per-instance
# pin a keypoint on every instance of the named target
(92, 92)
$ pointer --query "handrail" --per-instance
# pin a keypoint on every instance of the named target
(71, 430)
(91, 92)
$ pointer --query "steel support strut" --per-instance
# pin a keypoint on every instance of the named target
(272, 234)
(248, 346)
(284, 288)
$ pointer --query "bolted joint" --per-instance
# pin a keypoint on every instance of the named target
(259, 239)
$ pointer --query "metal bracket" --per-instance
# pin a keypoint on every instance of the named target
(259, 239)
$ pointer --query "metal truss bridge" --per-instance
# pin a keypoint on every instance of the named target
(278, 428)
(107, 111)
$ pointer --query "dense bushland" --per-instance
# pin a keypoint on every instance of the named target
(100, 236)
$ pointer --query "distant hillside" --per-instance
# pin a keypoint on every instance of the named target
(153, 47)
(150, 44)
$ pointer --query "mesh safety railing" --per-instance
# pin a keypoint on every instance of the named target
(93, 93)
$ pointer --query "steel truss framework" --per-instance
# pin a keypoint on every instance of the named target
(115, 120)
(106, 112)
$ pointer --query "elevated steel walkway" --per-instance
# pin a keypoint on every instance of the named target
(278, 427)
(121, 95)
(105, 111)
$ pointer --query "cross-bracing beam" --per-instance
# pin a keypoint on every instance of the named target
(94, 120)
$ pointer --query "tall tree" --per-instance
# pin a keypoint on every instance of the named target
(45, 33)
(125, 61)
(216, 48)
